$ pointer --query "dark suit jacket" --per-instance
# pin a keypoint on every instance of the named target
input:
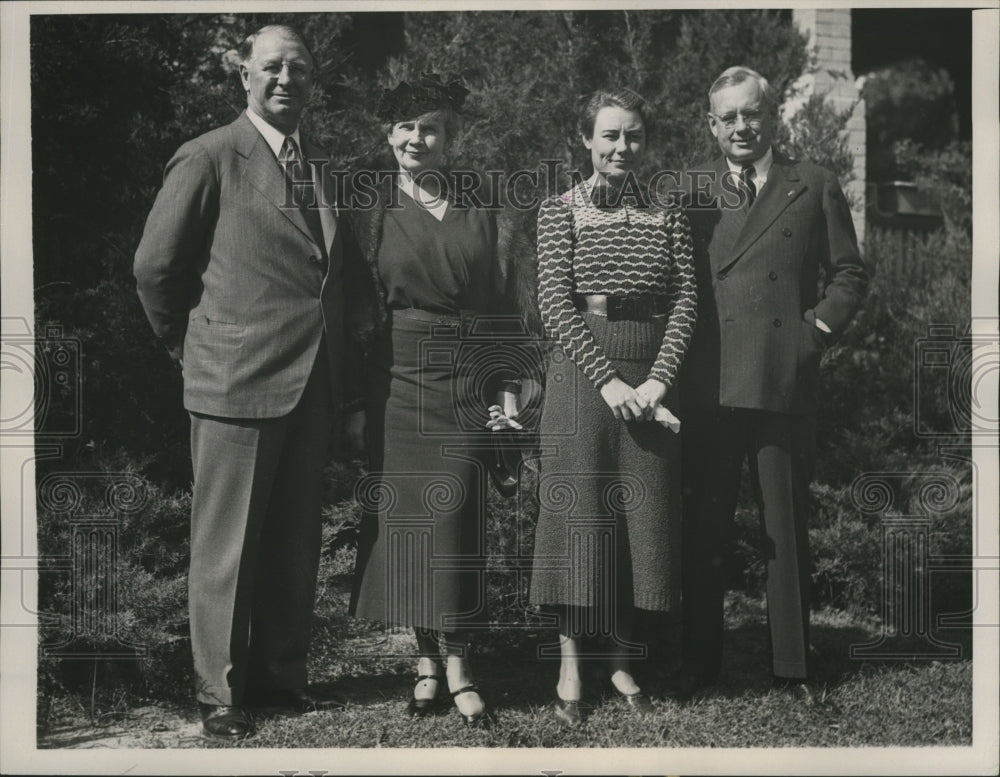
(759, 291)
(235, 283)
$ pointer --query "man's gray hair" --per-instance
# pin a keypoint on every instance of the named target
(732, 76)
(245, 49)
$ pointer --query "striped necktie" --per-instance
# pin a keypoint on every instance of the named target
(746, 179)
(303, 190)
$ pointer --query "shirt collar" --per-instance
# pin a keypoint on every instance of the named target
(274, 137)
(760, 168)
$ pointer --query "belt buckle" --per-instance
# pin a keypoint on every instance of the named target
(466, 322)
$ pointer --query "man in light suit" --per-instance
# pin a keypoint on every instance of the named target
(239, 271)
(779, 278)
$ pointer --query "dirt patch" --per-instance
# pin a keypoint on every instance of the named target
(152, 726)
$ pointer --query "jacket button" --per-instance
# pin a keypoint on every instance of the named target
(786, 231)
(776, 323)
(773, 275)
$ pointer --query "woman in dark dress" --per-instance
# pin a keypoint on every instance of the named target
(617, 295)
(428, 266)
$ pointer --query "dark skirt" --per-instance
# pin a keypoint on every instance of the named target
(608, 533)
(421, 553)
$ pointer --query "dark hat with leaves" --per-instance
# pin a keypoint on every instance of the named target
(428, 93)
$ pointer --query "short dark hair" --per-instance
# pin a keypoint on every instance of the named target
(619, 97)
(245, 49)
(733, 76)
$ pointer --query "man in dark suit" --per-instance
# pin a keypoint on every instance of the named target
(766, 230)
(239, 272)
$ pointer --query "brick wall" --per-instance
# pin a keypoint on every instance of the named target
(829, 33)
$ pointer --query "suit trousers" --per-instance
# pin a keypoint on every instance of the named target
(781, 452)
(255, 543)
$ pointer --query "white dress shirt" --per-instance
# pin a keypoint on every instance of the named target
(760, 169)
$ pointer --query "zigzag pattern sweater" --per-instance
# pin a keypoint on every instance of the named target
(622, 251)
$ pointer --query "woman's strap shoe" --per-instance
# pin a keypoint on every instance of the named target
(638, 701)
(568, 712)
(481, 719)
(224, 720)
(418, 708)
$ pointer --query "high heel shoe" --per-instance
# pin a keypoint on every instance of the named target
(638, 701)
(481, 719)
(568, 711)
(419, 708)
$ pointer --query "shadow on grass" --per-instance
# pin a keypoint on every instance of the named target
(838, 653)
(875, 701)
(511, 673)
(348, 660)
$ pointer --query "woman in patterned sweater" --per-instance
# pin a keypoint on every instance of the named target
(616, 292)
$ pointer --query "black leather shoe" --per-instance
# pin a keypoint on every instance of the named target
(569, 713)
(420, 708)
(227, 721)
(297, 699)
(480, 719)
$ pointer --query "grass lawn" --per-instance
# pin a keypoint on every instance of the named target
(862, 702)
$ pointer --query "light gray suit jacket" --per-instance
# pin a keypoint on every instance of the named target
(234, 283)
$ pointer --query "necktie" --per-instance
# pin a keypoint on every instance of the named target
(302, 188)
(746, 178)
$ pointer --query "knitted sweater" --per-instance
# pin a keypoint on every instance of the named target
(622, 251)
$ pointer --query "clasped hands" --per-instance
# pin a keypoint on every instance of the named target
(639, 404)
(627, 404)
(502, 414)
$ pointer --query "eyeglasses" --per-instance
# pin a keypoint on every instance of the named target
(753, 119)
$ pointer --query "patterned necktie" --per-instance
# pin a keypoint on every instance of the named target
(302, 188)
(746, 178)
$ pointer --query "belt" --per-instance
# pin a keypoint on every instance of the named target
(638, 308)
(416, 314)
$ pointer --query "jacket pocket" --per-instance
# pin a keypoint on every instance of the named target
(200, 319)
(810, 352)
(211, 338)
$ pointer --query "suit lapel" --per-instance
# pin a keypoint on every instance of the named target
(782, 189)
(265, 174)
(726, 222)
